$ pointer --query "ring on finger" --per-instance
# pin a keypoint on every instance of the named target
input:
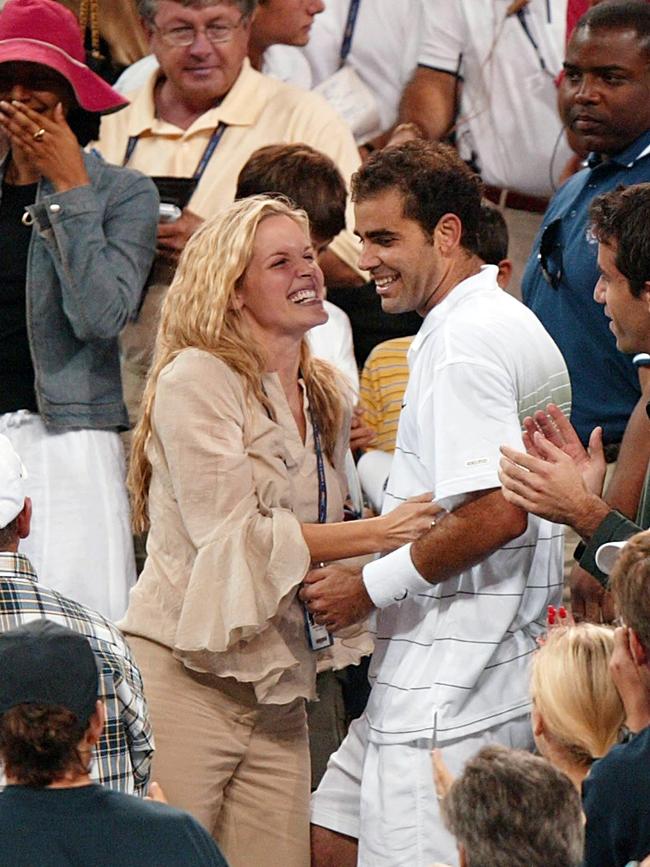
(38, 135)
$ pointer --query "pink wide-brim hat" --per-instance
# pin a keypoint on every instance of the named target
(43, 31)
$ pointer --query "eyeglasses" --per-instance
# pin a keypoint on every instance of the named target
(217, 33)
(550, 255)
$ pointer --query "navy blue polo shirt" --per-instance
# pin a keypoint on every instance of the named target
(604, 381)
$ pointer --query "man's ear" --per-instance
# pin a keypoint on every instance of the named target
(25, 519)
(505, 273)
(447, 233)
(645, 294)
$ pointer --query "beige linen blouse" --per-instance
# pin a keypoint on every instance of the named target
(225, 552)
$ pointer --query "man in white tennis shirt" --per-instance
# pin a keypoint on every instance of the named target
(459, 610)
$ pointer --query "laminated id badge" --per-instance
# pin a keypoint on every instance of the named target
(318, 637)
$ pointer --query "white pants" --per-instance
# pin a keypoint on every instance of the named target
(384, 794)
(80, 541)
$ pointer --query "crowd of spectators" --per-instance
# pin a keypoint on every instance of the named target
(324, 349)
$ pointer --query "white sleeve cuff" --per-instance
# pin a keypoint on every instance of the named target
(393, 578)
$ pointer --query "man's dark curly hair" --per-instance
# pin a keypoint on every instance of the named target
(433, 180)
(621, 218)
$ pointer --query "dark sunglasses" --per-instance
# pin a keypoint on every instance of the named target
(550, 254)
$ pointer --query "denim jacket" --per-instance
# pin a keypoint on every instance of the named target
(89, 257)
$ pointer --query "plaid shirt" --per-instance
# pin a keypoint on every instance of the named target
(123, 754)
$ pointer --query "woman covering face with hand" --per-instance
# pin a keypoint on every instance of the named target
(237, 470)
(76, 242)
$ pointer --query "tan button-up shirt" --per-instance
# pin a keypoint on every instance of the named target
(225, 553)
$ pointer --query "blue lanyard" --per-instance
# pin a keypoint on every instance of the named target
(320, 466)
(210, 148)
(348, 33)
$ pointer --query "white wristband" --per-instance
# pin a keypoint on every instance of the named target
(393, 578)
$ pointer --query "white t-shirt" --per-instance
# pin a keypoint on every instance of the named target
(480, 363)
(384, 48)
(508, 113)
(333, 341)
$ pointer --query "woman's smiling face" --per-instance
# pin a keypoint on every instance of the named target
(282, 292)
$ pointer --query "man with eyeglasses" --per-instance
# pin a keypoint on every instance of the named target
(197, 120)
(605, 103)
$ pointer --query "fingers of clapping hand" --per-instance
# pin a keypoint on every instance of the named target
(442, 776)
(527, 436)
(595, 448)
(565, 430)
(518, 467)
(156, 793)
(589, 600)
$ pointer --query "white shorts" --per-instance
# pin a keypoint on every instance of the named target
(80, 541)
(383, 794)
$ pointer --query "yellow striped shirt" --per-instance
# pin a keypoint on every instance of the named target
(383, 383)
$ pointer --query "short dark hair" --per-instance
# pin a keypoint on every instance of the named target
(433, 180)
(619, 15)
(514, 809)
(9, 534)
(39, 743)
(622, 217)
(302, 174)
(630, 585)
(492, 235)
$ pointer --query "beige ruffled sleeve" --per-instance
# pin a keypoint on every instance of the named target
(225, 466)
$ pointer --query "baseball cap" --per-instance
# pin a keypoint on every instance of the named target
(12, 482)
(607, 555)
(44, 663)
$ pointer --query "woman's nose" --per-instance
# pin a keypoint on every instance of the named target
(19, 92)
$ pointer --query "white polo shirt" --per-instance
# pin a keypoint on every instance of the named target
(384, 49)
(480, 363)
(508, 115)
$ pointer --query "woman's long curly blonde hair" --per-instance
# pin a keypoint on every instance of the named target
(199, 311)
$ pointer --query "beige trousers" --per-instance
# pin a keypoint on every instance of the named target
(242, 769)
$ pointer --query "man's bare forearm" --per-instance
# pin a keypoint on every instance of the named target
(468, 536)
(429, 100)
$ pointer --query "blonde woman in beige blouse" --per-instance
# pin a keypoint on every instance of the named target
(224, 473)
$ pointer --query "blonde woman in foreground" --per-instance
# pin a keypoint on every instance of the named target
(237, 471)
(577, 712)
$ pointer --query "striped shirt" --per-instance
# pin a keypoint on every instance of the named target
(461, 648)
(383, 383)
(122, 758)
